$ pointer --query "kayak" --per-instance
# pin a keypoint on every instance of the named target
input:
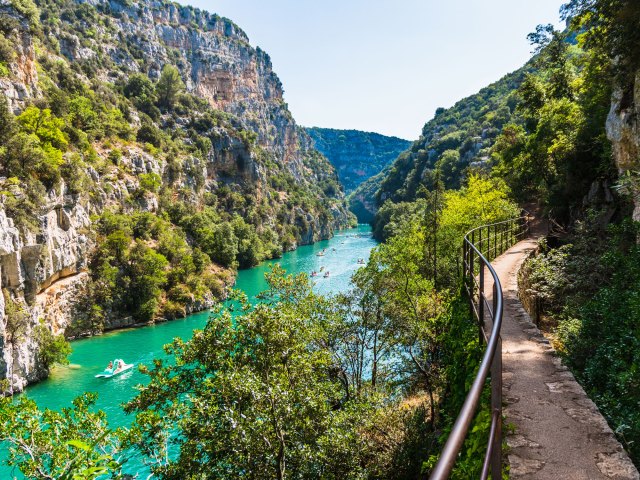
(108, 373)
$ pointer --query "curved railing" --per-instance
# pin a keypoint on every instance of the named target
(479, 247)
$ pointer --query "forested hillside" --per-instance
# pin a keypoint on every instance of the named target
(356, 155)
(146, 147)
(454, 143)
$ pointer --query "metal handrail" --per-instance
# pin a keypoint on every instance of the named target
(509, 232)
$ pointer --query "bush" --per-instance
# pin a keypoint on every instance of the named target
(150, 182)
(51, 348)
(148, 133)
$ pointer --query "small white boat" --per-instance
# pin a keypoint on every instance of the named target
(119, 368)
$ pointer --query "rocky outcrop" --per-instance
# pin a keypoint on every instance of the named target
(40, 273)
(623, 130)
(24, 82)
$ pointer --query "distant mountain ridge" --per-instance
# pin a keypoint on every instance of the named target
(356, 155)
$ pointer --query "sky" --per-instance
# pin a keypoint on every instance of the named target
(385, 65)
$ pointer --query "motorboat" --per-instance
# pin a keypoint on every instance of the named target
(118, 367)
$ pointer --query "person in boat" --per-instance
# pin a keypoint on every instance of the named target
(110, 367)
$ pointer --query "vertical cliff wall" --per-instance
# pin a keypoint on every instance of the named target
(623, 129)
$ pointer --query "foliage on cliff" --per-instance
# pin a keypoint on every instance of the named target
(561, 149)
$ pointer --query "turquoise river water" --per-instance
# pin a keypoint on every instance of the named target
(141, 345)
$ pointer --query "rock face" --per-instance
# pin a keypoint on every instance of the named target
(43, 266)
(40, 273)
(24, 84)
(219, 65)
(623, 130)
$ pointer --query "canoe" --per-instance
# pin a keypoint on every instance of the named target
(108, 374)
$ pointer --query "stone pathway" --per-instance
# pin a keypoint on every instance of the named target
(559, 432)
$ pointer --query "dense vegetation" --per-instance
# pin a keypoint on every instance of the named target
(361, 385)
(549, 144)
(356, 155)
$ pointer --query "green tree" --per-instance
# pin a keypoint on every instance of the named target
(139, 87)
(7, 121)
(21, 155)
(44, 125)
(51, 348)
(74, 444)
(169, 86)
(83, 115)
(140, 90)
(251, 395)
(249, 244)
(609, 27)
(145, 274)
(413, 307)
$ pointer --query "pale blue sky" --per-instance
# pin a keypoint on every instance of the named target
(382, 65)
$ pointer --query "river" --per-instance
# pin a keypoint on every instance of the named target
(141, 345)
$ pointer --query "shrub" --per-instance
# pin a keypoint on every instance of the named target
(51, 348)
(150, 182)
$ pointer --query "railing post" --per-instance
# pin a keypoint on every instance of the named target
(471, 260)
(481, 303)
(470, 271)
(496, 400)
(503, 236)
(480, 243)
(512, 225)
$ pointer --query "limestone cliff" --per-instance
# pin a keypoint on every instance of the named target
(229, 145)
(623, 130)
